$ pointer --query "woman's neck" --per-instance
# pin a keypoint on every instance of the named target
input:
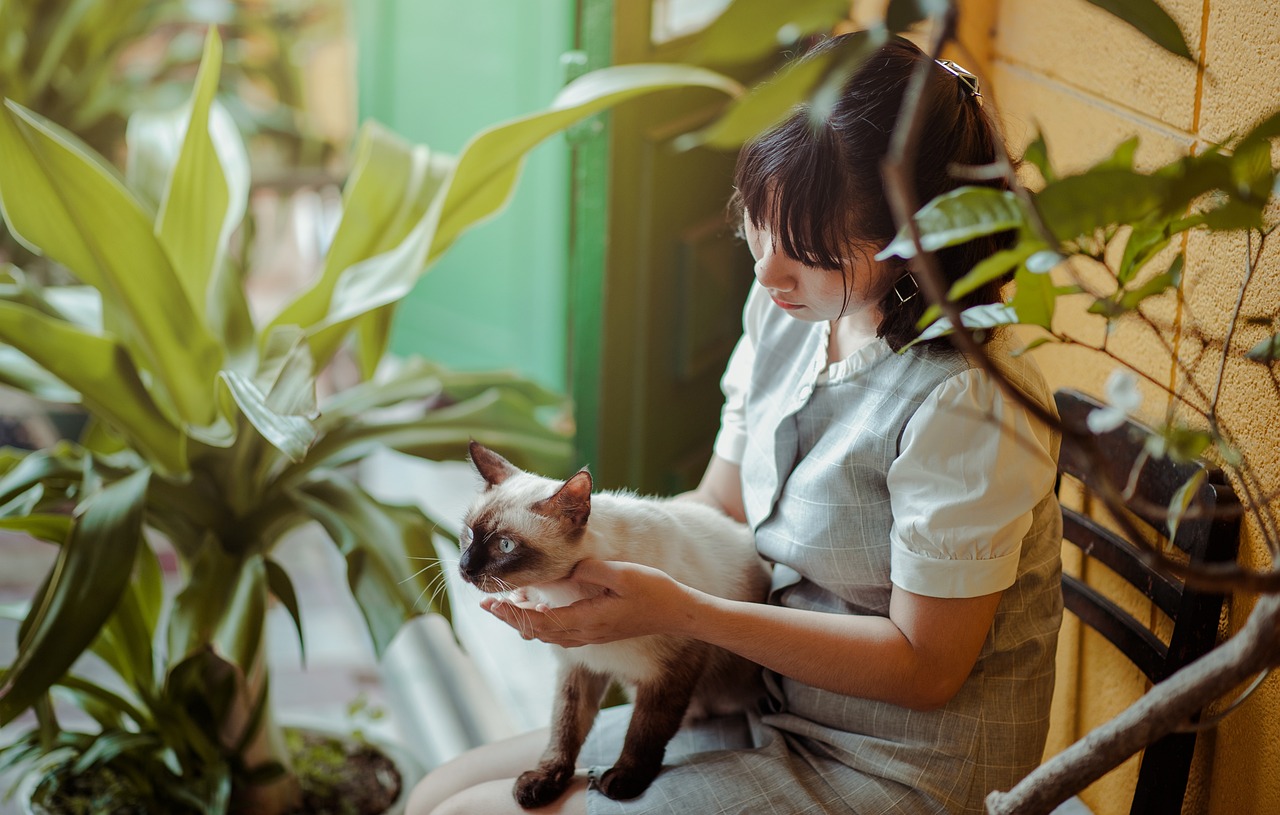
(851, 332)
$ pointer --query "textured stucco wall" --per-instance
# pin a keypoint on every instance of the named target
(1088, 82)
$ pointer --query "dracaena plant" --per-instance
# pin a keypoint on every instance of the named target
(204, 427)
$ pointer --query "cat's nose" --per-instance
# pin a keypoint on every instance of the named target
(470, 564)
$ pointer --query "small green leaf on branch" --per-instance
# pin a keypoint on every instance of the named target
(1179, 443)
(956, 217)
(1267, 351)
(1037, 153)
(1181, 501)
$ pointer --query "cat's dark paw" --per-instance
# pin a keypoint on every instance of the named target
(539, 787)
(625, 783)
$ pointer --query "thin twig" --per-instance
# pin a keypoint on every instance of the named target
(1250, 264)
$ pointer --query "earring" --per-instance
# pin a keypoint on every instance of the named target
(906, 288)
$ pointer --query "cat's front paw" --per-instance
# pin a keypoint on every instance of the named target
(625, 783)
(539, 787)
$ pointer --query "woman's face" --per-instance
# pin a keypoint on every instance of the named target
(806, 292)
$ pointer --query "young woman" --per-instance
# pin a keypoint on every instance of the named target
(906, 503)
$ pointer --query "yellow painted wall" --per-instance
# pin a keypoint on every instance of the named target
(1088, 82)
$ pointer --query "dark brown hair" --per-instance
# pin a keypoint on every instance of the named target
(818, 185)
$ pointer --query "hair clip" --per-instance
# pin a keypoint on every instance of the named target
(967, 78)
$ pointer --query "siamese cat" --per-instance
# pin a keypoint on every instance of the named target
(525, 534)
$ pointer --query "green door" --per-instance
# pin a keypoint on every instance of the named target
(657, 278)
(437, 72)
(613, 275)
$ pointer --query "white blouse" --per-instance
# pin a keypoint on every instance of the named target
(972, 466)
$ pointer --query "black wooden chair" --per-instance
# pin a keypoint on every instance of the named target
(1209, 537)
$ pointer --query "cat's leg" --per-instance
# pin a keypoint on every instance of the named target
(659, 708)
(577, 704)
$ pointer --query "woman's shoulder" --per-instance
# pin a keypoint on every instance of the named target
(961, 370)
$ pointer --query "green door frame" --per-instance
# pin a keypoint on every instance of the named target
(588, 231)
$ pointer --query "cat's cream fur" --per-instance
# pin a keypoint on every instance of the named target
(525, 534)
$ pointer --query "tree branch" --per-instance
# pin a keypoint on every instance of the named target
(1164, 709)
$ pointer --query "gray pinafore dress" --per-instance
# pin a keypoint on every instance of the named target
(814, 488)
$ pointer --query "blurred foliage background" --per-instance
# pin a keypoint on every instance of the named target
(90, 64)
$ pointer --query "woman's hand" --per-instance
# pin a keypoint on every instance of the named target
(636, 600)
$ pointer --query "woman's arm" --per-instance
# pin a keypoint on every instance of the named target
(917, 657)
(721, 488)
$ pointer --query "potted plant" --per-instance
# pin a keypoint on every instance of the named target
(205, 430)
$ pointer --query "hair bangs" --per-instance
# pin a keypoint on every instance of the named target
(788, 181)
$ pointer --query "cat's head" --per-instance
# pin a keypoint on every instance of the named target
(523, 529)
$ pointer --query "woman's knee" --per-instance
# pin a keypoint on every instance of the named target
(498, 760)
(444, 783)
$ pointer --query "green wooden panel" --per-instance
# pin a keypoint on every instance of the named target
(590, 214)
(658, 277)
(436, 72)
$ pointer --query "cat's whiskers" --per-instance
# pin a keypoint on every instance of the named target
(431, 591)
(433, 561)
(438, 585)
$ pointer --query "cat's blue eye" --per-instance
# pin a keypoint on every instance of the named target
(466, 535)
(506, 546)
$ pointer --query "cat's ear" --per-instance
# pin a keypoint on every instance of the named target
(571, 502)
(493, 468)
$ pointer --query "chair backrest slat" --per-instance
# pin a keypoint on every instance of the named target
(1121, 557)
(1143, 648)
(1208, 532)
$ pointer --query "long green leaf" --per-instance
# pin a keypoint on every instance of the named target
(421, 379)
(286, 373)
(81, 592)
(19, 371)
(749, 30)
(370, 285)
(956, 217)
(52, 528)
(416, 378)
(1149, 18)
(110, 745)
(282, 589)
(490, 163)
(190, 223)
(105, 706)
(125, 642)
(62, 463)
(387, 194)
(496, 418)
(205, 198)
(378, 542)
(769, 102)
(291, 435)
(60, 199)
(101, 370)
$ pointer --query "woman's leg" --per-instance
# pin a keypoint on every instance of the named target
(495, 798)
(482, 778)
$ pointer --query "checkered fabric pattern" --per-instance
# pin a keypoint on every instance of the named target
(814, 485)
